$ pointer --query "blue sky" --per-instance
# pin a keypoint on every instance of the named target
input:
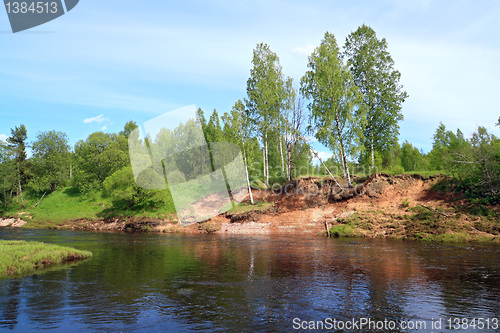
(107, 62)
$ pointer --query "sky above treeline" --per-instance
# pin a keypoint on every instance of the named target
(107, 62)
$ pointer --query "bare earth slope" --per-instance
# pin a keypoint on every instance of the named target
(404, 206)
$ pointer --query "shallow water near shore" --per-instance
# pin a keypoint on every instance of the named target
(181, 283)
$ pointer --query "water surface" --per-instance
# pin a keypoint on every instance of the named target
(181, 283)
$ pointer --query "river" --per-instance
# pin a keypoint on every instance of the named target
(210, 283)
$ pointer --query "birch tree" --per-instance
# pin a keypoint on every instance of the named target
(237, 131)
(266, 90)
(372, 68)
(334, 101)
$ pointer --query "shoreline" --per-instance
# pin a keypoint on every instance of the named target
(24, 258)
(399, 207)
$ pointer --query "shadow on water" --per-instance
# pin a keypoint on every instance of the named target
(216, 283)
(41, 271)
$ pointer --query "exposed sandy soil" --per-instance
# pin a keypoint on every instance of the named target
(384, 206)
(403, 206)
(306, 206)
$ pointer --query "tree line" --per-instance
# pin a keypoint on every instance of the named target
(350, 100)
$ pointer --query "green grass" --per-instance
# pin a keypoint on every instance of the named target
(68, 204)
(258, 184)
(449, 237)
(20, 257)
(344, 230)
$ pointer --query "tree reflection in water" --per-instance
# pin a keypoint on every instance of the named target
(200, 282)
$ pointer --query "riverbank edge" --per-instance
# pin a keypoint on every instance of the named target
(22, 257)
(399, 207)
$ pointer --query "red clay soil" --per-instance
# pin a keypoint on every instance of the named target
(307, 204)
(382, 206)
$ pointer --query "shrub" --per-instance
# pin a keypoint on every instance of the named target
(124, 192)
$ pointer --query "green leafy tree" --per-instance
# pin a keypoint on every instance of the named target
(447, 149)
(188, 138)
(213, 130)
(334, 101)
(486, 157)
(267, 97)
(285, 126)
(372, 68)
(474, 162)
(51, 161)
(98, 157)
(8, 173)
(17, 143)
(411, 158)
(125, 194)
(441, 143)
(298, 155)
(237, 131)
(391, 159)
(129, 127)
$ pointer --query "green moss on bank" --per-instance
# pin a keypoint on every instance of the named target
(460, 224)
(20, 257)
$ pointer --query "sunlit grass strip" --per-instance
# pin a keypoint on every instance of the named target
(21, 257)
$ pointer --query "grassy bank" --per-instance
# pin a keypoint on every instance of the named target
(458, 224)
(68, 204)
(20, 257)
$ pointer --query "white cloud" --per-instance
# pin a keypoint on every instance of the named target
(104, 128)
(3, 137)
(99, 119)
(304, 50)
(170, 56)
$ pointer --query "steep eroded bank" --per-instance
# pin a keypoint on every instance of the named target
(403, 206)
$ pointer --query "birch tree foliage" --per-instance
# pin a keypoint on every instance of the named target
(236, 130)
(334, 101)
(373, 72)
(266, 90)
(265, 87)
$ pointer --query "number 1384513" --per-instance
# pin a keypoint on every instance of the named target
(40, 7)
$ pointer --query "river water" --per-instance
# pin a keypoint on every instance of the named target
(183, 283)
